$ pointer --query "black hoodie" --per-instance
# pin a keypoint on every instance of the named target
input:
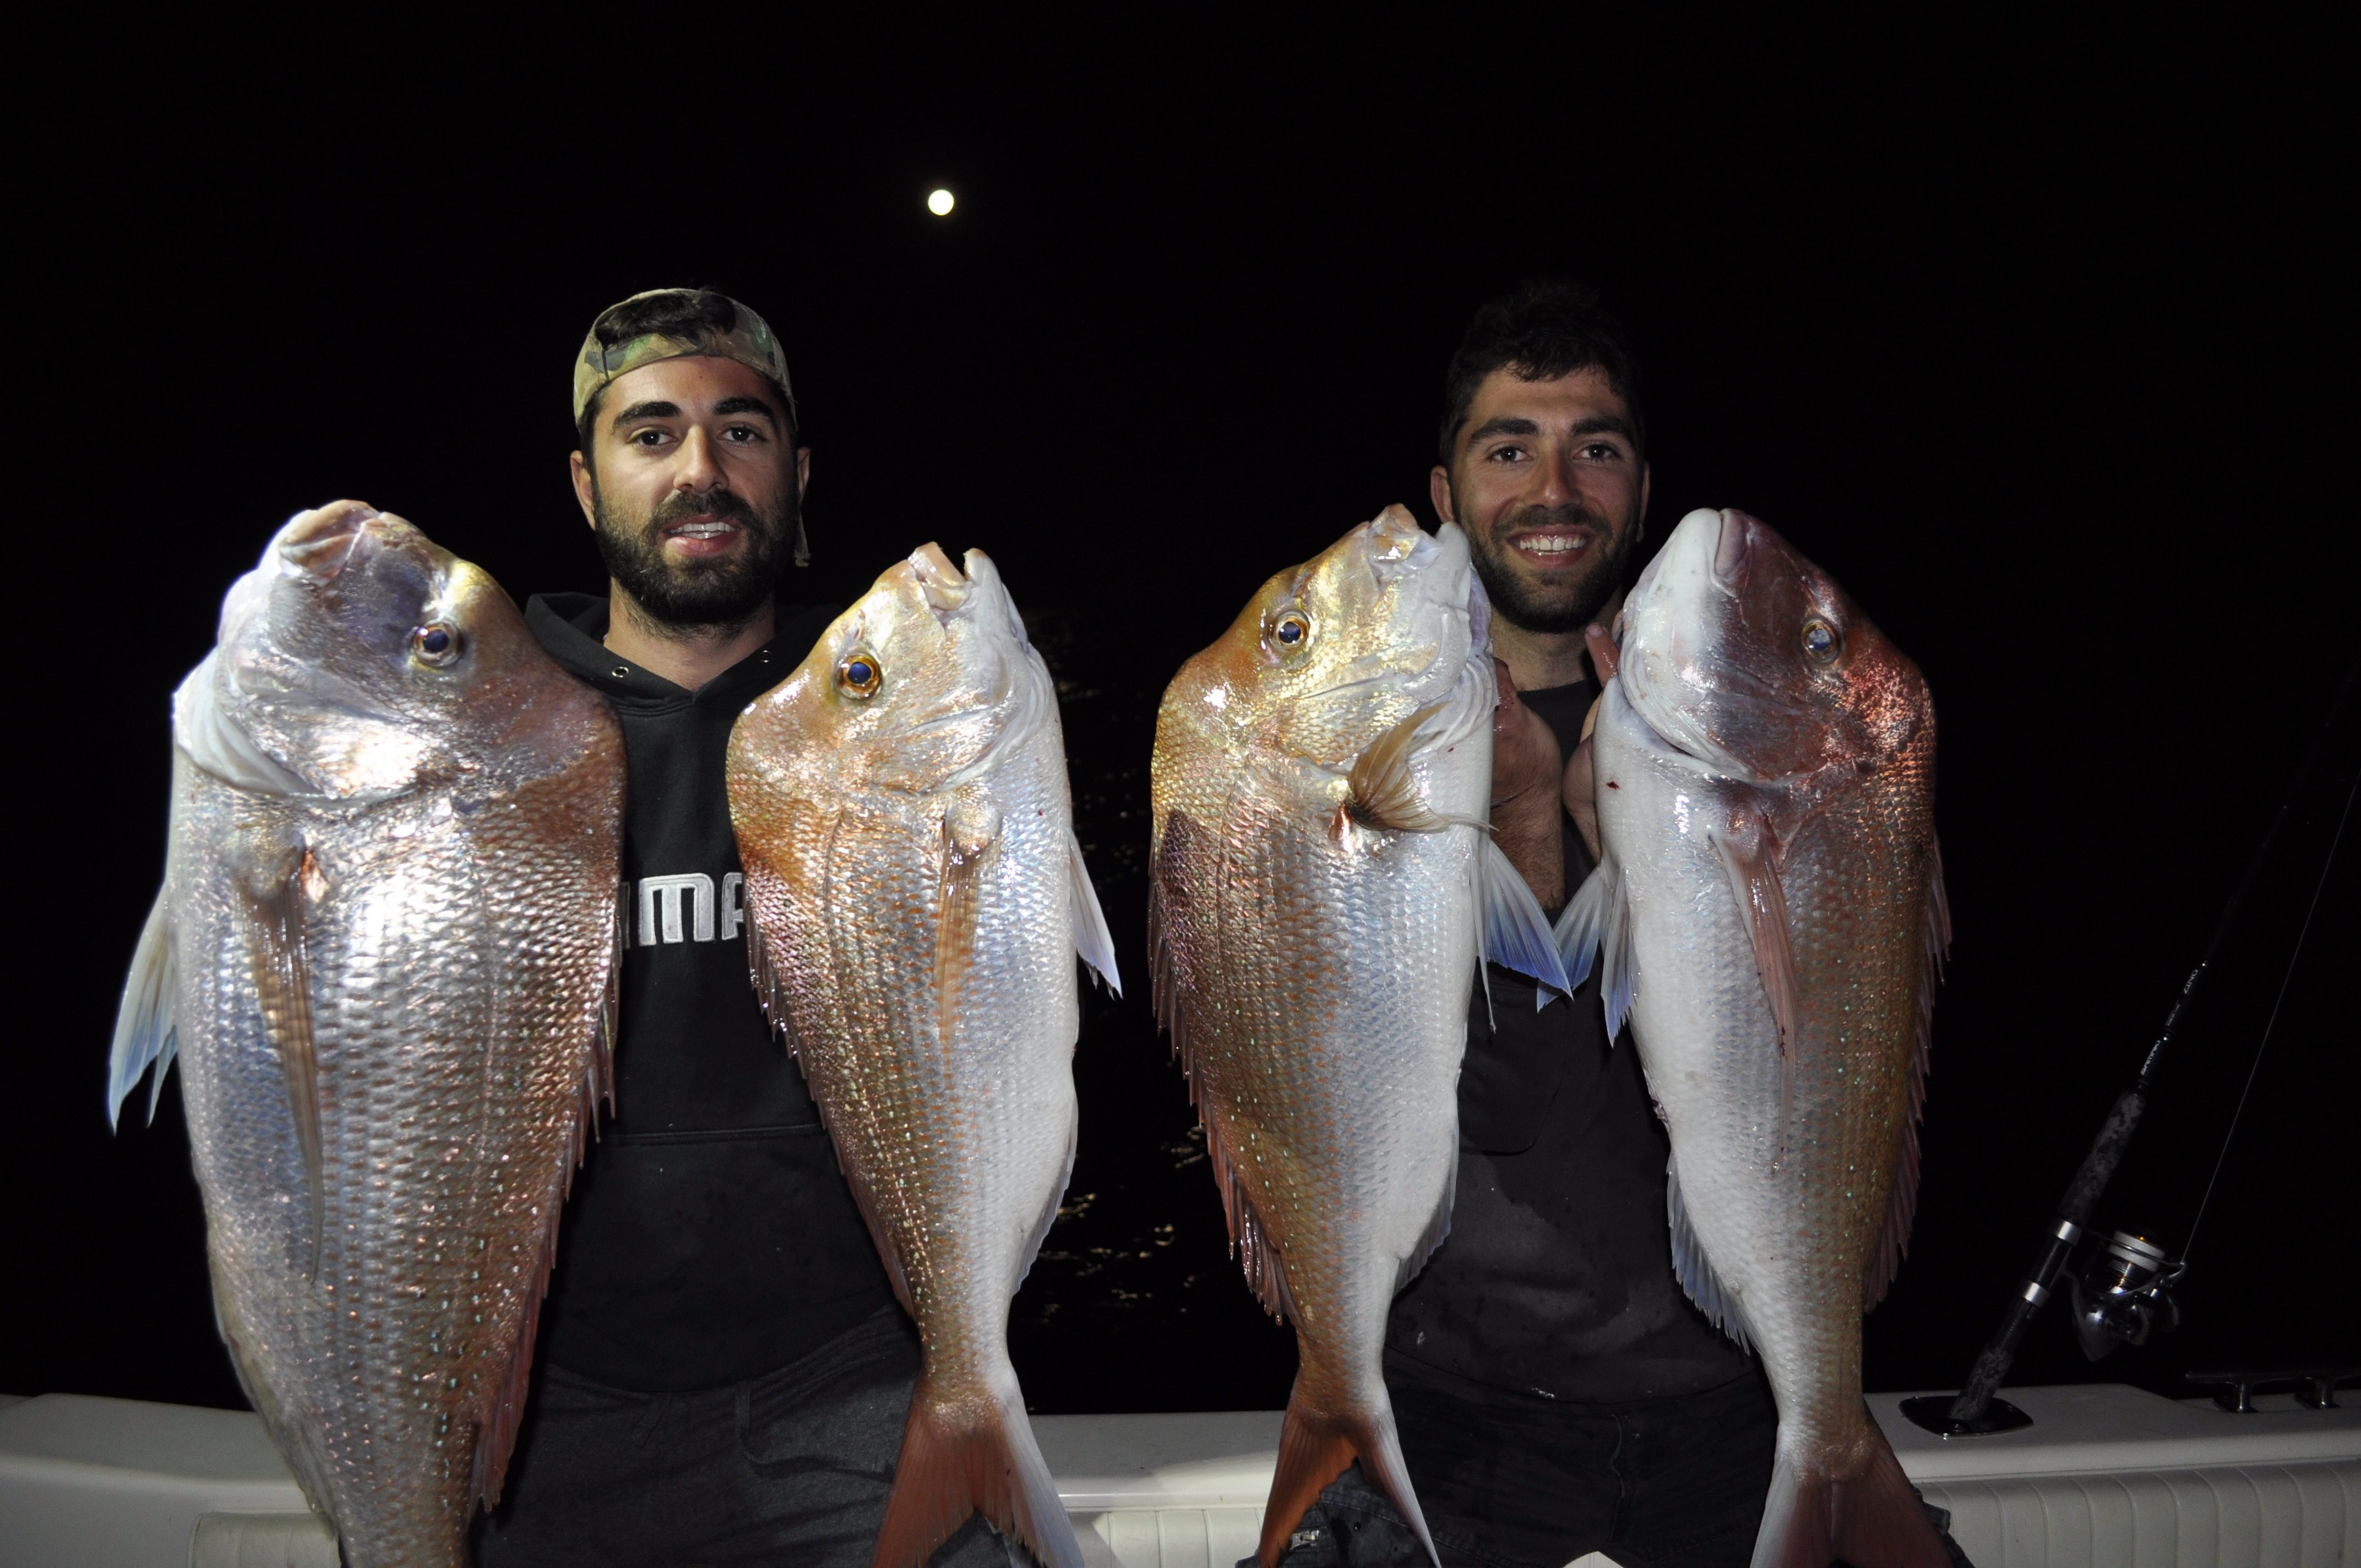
(710, 1237)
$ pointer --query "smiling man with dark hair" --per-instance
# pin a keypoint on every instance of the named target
(723, 1372)
(1555, 1392)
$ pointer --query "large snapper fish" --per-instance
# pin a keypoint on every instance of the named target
(1770, 905)
(917, 901)
(1323, 889)
(384, 954)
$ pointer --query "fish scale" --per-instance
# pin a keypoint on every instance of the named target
(414, 887)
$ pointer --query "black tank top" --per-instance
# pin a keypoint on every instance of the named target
(1557, 1281)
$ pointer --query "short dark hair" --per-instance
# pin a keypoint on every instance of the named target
(1540, 331)
(676, 313)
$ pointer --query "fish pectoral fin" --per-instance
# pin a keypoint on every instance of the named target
(1694, 1269)
(1380, 794)
(1515, 933)
(272, 916)
(1749, 856)
(144, 1033)
(1094, 944)
(970, 833)
(1595, 928)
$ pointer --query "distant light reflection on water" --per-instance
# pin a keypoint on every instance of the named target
(1134, 1303)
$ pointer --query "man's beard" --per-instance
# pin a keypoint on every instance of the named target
(698, 594)
(1561, 607)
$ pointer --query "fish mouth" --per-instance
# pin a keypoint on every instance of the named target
(316, 546)
(1733, 550)
(941, 583)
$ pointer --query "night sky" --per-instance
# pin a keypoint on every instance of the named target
(2038, 342)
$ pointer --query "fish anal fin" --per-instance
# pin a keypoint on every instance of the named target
(1315, 1448)
(1092, 942)
(272, 911)
(1380, 794)
(144, 1032)
(1902, 1206)
(1694, 1269)
(1438, 1229)
(1040, 1231)
(971, 832)
(966, 1456)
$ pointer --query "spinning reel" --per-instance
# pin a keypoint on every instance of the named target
(2123, 1294)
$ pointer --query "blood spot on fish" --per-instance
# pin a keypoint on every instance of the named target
(1612, 784)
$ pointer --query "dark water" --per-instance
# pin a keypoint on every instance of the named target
(1135, 1302)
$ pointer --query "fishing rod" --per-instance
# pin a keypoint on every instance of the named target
(2136, 1296)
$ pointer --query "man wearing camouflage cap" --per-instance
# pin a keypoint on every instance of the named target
(722, 1371)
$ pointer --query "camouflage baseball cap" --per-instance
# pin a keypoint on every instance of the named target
(702, 321)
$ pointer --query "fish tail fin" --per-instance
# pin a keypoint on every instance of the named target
(1875, 1519)
(1315, 1448)
(958, 1461)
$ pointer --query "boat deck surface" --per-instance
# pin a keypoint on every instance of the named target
(2106, 1475)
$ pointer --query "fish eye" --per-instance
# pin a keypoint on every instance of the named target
(1820, 641)
(1290, 630)
(859, 674)
(434, 644)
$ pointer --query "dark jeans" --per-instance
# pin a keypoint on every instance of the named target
(1522, 1483)
(792, 1468)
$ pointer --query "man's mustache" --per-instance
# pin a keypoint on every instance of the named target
(1573, 514)
(719, 502)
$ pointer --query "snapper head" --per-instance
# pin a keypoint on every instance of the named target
(1331, 655)
(353, 659)
(1747, 658)
(921, 683)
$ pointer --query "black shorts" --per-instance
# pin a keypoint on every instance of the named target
(1510, 1482)
(792, 1468)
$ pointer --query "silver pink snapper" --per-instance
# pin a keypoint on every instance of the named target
(1770, 906)
(917, 901)
(1324, 893)
(384, 957)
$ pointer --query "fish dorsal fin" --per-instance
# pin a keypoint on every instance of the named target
(770, 984)
(1595, 931)
(1168, 892)
(1516, 934)
(1901, 1209)
(144, 1033)
(1380, 794)
(1264, 1268)
(271, 920)
(1694, 1270)
(1092, 942)
(504, 1411)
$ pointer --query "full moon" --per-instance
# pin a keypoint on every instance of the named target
(940, 202)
